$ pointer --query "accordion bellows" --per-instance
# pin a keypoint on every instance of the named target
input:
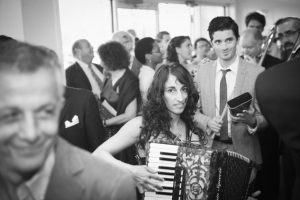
(192, 172)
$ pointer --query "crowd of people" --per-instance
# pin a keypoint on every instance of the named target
(88, 139)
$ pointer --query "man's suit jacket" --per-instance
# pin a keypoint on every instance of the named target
(81, 110)
(76, 77)
(278, 95)
(243, 142)
(77, 175)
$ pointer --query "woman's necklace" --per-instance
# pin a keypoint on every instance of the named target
(179, 130)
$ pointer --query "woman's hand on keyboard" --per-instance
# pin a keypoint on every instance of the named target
(146, 179)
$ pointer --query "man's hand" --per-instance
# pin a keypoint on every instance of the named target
(145, 178)
(254, 195)
(215, 124)
(250, 59)
(247, 117)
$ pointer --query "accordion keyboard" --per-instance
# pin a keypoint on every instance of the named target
(162, 158)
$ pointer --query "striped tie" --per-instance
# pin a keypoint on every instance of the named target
(96, 77)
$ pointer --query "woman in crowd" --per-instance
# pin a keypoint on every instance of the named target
(120, 91)
(167, 115)
(180, 50)
(148, 53)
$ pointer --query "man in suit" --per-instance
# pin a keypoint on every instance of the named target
(80, 123)
(35, 162)
(218, 81)
(278, 96)
(250, 43)
(83, 73)
(288, 33)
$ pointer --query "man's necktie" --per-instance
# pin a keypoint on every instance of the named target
(96, 77)
(223, 101)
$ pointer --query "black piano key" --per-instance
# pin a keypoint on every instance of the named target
(168, 153)
(165, 167)
(168, 159)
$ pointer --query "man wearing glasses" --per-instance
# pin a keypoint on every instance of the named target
(288, 32)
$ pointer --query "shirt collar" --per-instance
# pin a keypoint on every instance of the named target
(233, 67)
(82, 64)
(39, 182)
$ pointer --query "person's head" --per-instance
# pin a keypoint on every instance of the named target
(179, 49)
(125, 38)
(250, 42)
(147, 52)
(287, 32)
(224, 35)
(5, 38)
(31, 87)
(83, 51)
(163, 38)
(202, 47)
(172, 93)
(113, 56)
(255, 20)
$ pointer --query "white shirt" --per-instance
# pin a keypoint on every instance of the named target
(145, 78)
(95, 87)
(230, 81)
(38, 184)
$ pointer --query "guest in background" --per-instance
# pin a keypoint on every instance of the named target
(180, 50)
(120, 90)
(163, 38)
(202, 48)
(255, 20)
(148, 53)
(127, 40)
(250, 42)
(83, 73)
(288, 34)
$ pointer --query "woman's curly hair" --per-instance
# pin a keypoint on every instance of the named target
(156, 117)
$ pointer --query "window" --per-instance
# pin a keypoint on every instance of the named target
(141, 20)
(82, 20)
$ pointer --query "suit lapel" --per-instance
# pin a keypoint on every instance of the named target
(82, 75)
(64, 182)
(211, 92)
(240, 78)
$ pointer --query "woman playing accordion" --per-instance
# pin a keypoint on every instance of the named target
(168, 118)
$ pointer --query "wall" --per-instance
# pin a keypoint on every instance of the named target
(34, 21)
(11, 22)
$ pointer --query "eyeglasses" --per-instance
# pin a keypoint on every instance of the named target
(286, 34)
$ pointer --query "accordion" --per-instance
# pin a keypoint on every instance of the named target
(192, 173)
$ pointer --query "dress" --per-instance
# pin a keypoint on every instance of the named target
(124, 91)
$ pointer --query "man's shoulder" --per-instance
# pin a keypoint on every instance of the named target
(72, 67)
(78, 93)
(252, 68)
(77, 168)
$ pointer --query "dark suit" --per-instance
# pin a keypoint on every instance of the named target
(77, 175)
(270, 61)
(76, 77)
(88, 133)
(278, 95)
